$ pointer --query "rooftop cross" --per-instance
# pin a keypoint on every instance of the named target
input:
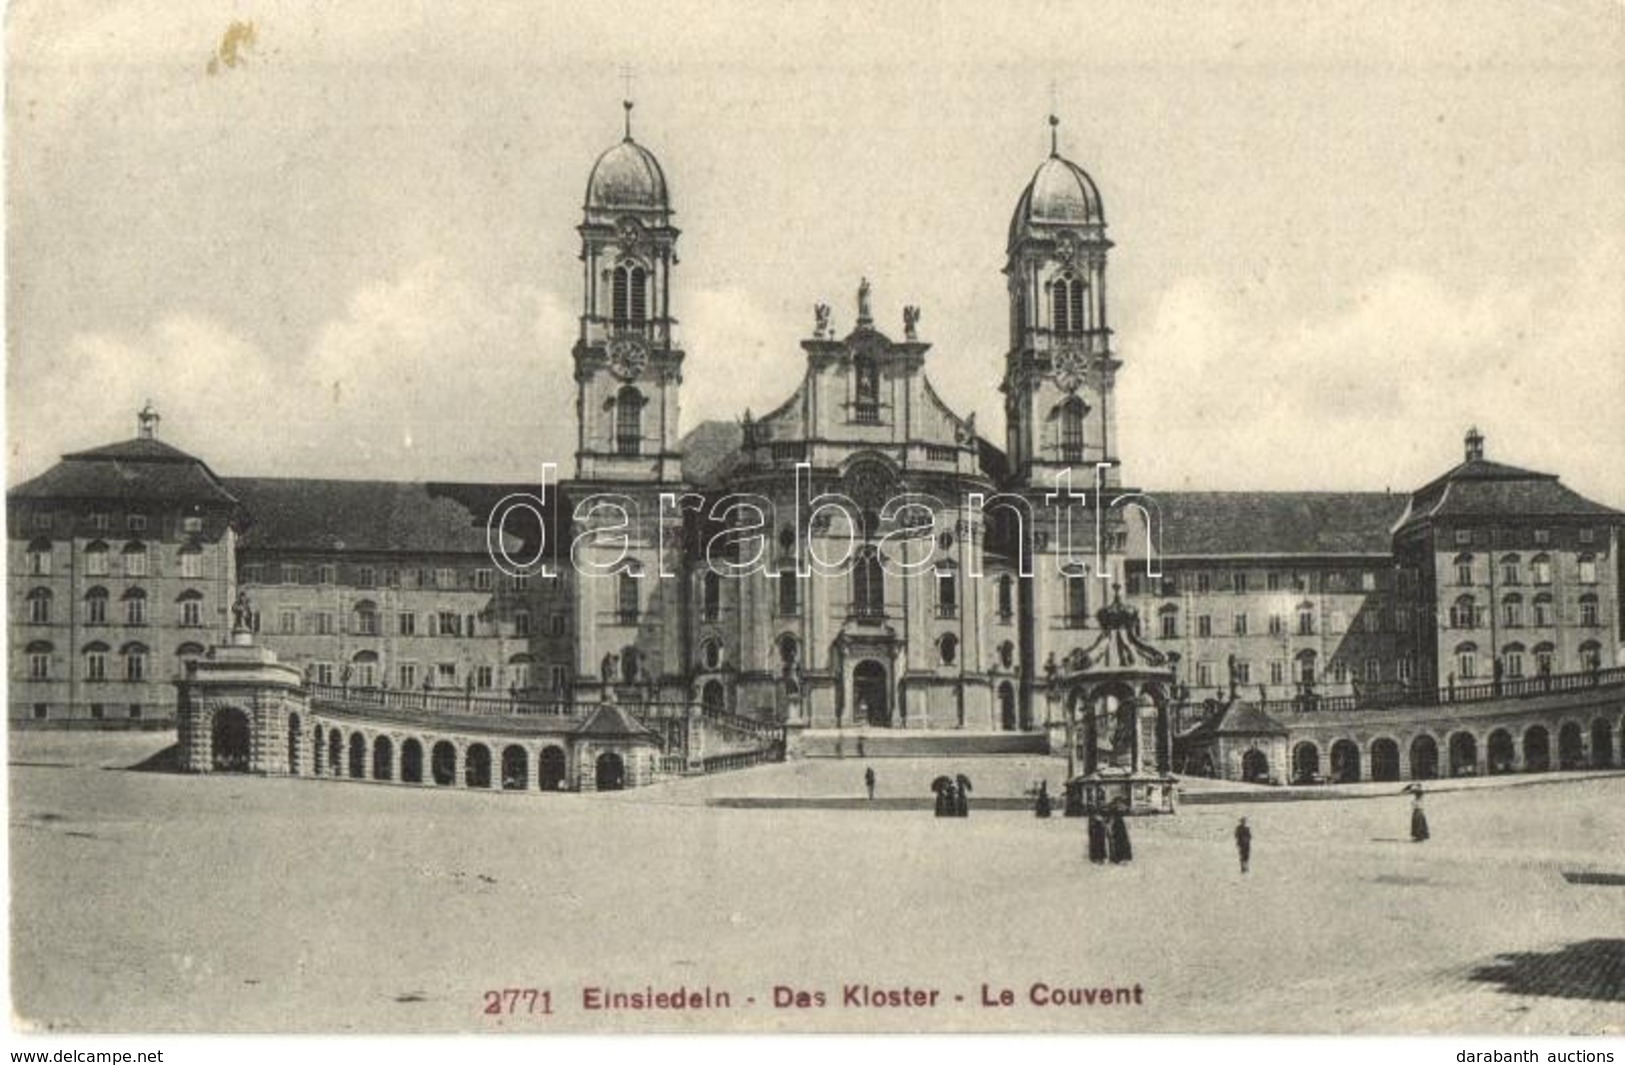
(148, 419)
(626, 81)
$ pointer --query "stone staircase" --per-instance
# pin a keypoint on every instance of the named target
(890, 743)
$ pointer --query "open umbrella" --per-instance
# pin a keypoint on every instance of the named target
(944, 787)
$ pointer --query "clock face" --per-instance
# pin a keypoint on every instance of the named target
(627, 357)
(1071, 366)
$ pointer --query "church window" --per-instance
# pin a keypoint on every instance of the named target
(947, 595)
(1466, 661)
(629, 422)
(39, 606)
(1072, 412)
(1588, 610)
(1007, 597)
(789, 598)
(1077, 600)
(96, 606)
(627, 598)
(868, 586)
(711, 595)
(1512, 611)
(1543, 610)
(1066, 298)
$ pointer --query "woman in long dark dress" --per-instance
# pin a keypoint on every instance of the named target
(1122, 850)
(1097, 839)
(1419, 821)
(1042, 807)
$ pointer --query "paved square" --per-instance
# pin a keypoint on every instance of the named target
(145, 901)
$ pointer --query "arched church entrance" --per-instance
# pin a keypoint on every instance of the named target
(1424, 758)
(870, 694)
(1255, 767)
(610, 772)
(1007, 706)
(231, 740)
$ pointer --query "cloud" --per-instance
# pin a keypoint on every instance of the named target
(1379, 392)
(425, 375)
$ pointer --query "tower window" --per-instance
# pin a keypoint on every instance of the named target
(629, 422)
(1071, 446)
(1066, 298)
(627, 599)
(629, 294)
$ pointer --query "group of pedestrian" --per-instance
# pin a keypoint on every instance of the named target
(953, 796)
(1108, 838)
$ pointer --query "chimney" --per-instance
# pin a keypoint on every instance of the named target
(1475, 445)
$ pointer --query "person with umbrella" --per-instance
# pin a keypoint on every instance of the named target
(1419, 819)
(944, 788)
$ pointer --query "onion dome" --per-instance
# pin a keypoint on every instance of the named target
(1059, 194)
(627, 178)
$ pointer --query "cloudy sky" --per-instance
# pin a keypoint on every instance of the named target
(1344, 231)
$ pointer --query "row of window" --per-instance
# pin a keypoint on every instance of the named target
(1467, 613)
(1510, 663)
(1242, 582)
(135, 559)
(369, 621)
(446, 578)
(367, 672)
(1540, 569)
(1541, 537)
(41, 607)
(98, 711)
(130, 663)
(1302, 671)
(102, 521)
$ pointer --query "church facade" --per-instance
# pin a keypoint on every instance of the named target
(858, 556)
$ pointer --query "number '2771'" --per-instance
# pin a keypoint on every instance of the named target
(512, 1000)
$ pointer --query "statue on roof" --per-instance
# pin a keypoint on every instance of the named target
(820, 321)
(864, 316)
(911, 319)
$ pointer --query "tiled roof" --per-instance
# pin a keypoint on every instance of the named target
(1195, 524)
(307, 514)
(609, 721)
(1237, 719)
(711, 452)
(140, 470)
(1479, 487)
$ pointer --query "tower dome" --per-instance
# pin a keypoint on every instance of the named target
(627, 177)
(1059, 194)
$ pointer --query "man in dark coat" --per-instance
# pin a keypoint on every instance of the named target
(1244, 843)
(1042, 807)
(869, 781)
(1122, 850)
(1097, 839)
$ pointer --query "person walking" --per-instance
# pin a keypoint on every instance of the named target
(1244, 843)
(1042, 807)
(1419, 819)
(1122, 851)
(1097, 839)
(869, 781)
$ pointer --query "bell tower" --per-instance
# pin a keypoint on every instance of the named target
(1060, 371)
(628, 366)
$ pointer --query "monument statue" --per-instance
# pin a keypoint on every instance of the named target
(864, 317)
(242, 613)
(820, 321)
(911, 319)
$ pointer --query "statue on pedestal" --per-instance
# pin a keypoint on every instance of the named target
(242, 613)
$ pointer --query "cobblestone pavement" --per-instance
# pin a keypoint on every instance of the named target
(154, 902)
